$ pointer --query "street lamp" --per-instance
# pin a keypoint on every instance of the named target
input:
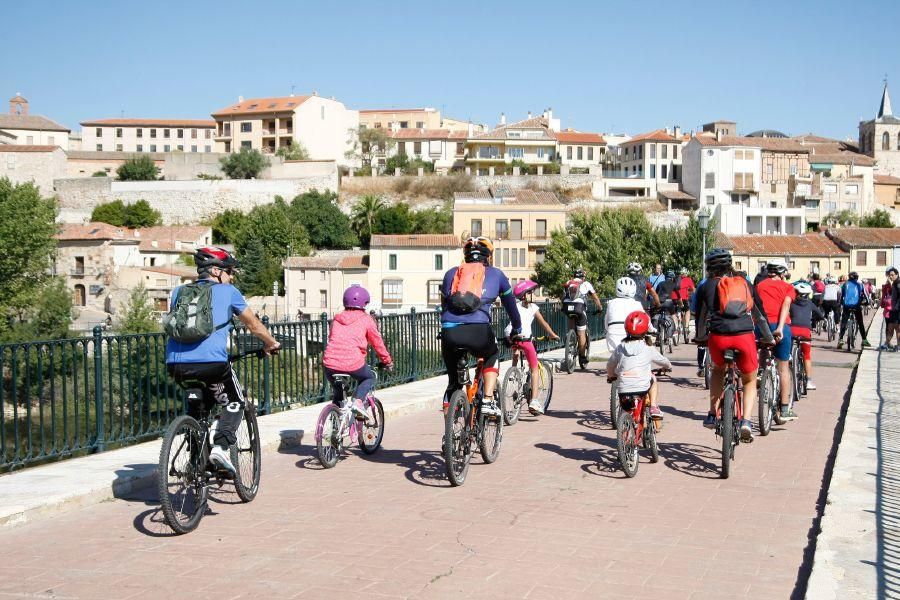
(703, 221)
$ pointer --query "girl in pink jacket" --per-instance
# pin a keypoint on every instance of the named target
(351, 333)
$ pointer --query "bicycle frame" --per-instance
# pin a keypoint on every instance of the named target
(349, 425)
(732, 378)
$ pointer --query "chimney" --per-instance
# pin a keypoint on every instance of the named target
(544, 114)
(470, 131)
(718, 135)
(677, 133)
(502, 118)
(240, 99)
(315, 93)
(529, 114)
(550, 113)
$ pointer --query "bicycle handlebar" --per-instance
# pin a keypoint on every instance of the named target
(258, 352)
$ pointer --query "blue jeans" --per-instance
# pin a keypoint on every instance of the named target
(364, 376)
(782, 350)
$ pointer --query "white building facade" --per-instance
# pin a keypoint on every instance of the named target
(148, 135)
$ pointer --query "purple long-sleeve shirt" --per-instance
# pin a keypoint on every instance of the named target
(496, 285)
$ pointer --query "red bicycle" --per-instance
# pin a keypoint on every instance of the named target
(634, 427)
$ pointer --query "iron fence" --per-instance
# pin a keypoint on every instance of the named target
(71, 397)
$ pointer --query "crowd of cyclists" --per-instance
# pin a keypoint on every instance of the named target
(730, 313)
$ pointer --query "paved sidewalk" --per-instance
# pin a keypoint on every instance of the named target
(554, 517)
(858, 549)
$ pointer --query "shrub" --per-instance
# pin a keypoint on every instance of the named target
(246, 164)
(138, 169)
(579, 171)
(99, 174)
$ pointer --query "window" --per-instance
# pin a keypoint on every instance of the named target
(460, 148)
(516, 152)
(710, 199)
(99, 132)
(522, 257)
(208, 134)
(830, 206)
(404, 124)
(506, 257)
(738, 155)
(417, 148)
(51, 140)
(152, 147)
(852, 189)
(438, 262)
(665, 150)
(640, 169)
(323, 298)
(761, 264)
(167, 133)
(420, 124)
(709, 181)
(590, 153)
(392, 262)
(227, 129)
(193, 148)
(568, 152)
(99, 147)
(193, 134)
(29, 139)
(179, 133)
(501, 229)
(830, 188)
(391, 292)
(881, 258)
(652, 171)
(79, 266)
(167, 148)
(152, 133)
(515, 258)
(301, 298)
(321, 275)
(675, 151)
(540, 229)
(580, 153)
(246, 127)
(476, 228)
(118, 147)
(813, 266)
(837, 265)
(207, 148)
(861, 258)
(434, 291)
(247, 144)
(676, 172)
(302, 274)
(377, 125)
(664, 170)
(489, 152)
(515, 232)
(80, 298)
(140, 148)
(652, 150)
(886, 141)
(640, 151)
(180, 148)
(738, 265)
(139, 132)
(743, 181)
(540, 152)
(540, 255)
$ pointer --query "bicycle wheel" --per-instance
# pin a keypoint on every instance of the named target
(511, 393)
(613, 405)
(727, 430)
(830, 327)
(676, 329)
(491, 429)
(181, 481)
(851, 333)
(766, 395)
(328, 436)
(546, 389)
(804, 378)
(457, 444)
(795, 373)
(246, 455)
(650, 436)
(371, 432)
(571, 351)
(661, 338)
(686, 331)
(626, 442)
(707, 370)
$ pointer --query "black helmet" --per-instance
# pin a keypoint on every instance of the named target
(579, 273)
(718, 260)
(478, 249)
(670, 274)
(854, 275)
(212, 256)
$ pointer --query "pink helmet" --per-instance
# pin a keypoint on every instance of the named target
(356, 296)
(523, 287)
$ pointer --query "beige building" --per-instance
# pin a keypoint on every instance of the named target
(413, 118)
(406, 271)
(20, 127)
(322, 125)
(37, 164)
(446, 149)
(654, 158)
(871, 250)
(148, 135)
(887, 191)
(804, 254)
(880, 138)
(519, 223)
(532, 141)
(836, 181)
(581, 150)
(315, 284)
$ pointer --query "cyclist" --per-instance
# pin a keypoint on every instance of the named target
(577, 290)
(467, 293)
(853, 296)
(633, 360)
(803, 313)
(667, 293)
(890, 315)
(685, 287)
(727, 326)
(644, 291)
(658, 276)
(206, 361)
(701, 348)
(348, 340)
(777, 295)
(617, 309)
(831, 298)
(528, 313)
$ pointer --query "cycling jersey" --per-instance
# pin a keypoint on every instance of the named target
(642, 286)
(685, 287)
(831, 292)
(526, 314)
(584, 289)
(803, 312)
(772, 293)
(614, 319)
(852, 293)
(496, 285)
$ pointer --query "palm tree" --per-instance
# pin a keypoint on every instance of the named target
(362, 219)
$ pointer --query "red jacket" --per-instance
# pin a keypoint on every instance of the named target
(351, 333)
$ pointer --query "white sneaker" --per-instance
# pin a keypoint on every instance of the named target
(222, 459)
(535, 408)
(810, 385)
(359, 411)
(488, 407)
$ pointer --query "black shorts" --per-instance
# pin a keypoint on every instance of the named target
(893, 318)
(476, 339)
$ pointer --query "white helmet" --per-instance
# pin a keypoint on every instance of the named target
(803, 288)
(625, 287)
(634, 267)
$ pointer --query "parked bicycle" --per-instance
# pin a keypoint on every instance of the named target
(517, 384)
(338, 427)
(465, 425)
(635, 427)
(185, 473)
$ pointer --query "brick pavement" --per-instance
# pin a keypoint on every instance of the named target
(553, 518)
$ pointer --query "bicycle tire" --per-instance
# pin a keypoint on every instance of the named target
(727, 429)
(676, 330)
(511, 392)
(613, 406)
(246, 455)
(328, 442)
(764, 397)
(457, 446)
(650, 433)
(491, 436)
(188, 473)
(795, 374)
(804, 378)
(571, 351)
(626, 443)
(548, 384)
(851, 333)
(707, 370)
(661, 339)
(686, 331)
(830, 327)
(369, 437)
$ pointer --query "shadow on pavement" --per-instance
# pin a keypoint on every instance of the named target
(423, 467)
(690, 459)
(596, 461)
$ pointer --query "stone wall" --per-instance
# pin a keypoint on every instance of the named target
(38, 167)
(548, 182)
(182, 202)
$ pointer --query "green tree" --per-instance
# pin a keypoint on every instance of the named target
(413, 166)
(393, 219)
(844, 217)
(324, 222)
(258, 270)
(48, 319)
(109, 212)
(398, 161)
(141, 214)
(294, 151)
(362, 218)
(878, 218)
(246, 164)
(226, 226)
(27, 244)
(366, 142)
(433, 220)
(137, 316)
(138, 169)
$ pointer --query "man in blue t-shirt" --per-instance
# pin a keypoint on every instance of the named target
(853, 295)
(207, 360)
(472, 331)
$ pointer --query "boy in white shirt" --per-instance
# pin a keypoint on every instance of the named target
(617, 309)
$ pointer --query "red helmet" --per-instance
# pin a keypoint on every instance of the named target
(212, 256)
(637, 323)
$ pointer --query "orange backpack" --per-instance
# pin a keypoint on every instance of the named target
(465, 291)
(735, 297)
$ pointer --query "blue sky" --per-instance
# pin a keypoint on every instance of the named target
(796, 66)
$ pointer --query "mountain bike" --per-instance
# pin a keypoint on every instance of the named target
(338, 427)
(707, 369)
(798, 369)
(635, 426)
(677, 326)
(730, 412)
(573, 310)
(185, 473)
(830, 325)
(664, 325)
(516, 388)
(465, 425)
(768, 390)
(852, 327)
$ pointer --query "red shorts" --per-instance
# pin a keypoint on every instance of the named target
(530, 353)
(805, 347)
(744, 343)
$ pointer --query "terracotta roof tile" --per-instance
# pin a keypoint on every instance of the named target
(394, 110)
(262, 106)
(35, 122)
(866, 237)
(887, 180)
(842, 158)
(675, 195)
(150, 123)
(532, 197)
(577, 137)
(657, 135)
(329, 260)
(26, 148)
(477, 195)
(419, 134)
(499, 133)
(91, 231)
(164, 238)
(809, 244)
(415, 240)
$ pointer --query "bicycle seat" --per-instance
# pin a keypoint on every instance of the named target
(629, 400)
(799, 339)
(343, 380)
(730, 355)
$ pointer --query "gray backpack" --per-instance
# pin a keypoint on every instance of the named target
(191, 319)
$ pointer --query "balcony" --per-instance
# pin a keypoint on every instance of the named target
(225, 135)
(621, 174)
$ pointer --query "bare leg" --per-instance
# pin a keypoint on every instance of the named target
(715, 387)
(490, 382)
(784, 372)
(653, 394)
(582, 337)
(749, 380)
(535, 382)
